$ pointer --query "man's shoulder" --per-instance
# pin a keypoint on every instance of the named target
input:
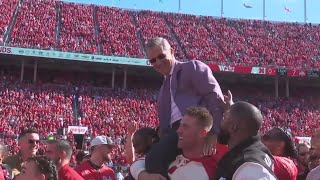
(314, 174)
(69, 173)
(194, 64)
(83, 166)
(108, 169)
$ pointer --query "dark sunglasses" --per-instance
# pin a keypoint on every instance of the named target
(160, 56)
(30, 141)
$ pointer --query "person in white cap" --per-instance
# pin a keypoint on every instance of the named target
(95, 168)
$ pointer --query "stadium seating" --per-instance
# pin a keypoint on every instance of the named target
(35, 25)
(7, 9)
(151, 25)
(123, 32)
(118, 38)
(195, 38)
(77, 32)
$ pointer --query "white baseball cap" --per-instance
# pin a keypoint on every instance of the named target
(99, 140)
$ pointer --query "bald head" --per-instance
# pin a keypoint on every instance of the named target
(248, 115)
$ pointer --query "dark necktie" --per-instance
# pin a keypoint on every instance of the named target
(165, 108)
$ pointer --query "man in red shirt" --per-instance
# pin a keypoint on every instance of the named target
(192, 163)
(60, 152)
(95, 168)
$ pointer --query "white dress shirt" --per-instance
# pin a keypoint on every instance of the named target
(175, 112)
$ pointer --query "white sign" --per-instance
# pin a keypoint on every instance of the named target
(77, 129)
(304, 140)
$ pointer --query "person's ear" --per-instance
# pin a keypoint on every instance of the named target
(203, 133)
(42, 177)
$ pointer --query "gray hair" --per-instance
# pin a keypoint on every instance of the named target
(158, 41)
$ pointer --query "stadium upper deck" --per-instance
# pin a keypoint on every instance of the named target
(119, 32)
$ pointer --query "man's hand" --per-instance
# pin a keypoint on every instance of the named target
(228, 101)
(147, 176)
(210, 144)
(132, 127)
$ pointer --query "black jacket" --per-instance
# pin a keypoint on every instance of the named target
(251, 150)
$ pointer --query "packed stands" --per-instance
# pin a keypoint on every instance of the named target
(235, 48)
(83, 28)
(195, 38)
(152, 24)
(7, 9)
(118, 38)
(281, 44)
(77, 32)
(35, 25)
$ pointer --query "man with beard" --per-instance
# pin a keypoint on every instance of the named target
(28, 142)
(60, 152)
(95, 168)
(315, 154)
(247, 158)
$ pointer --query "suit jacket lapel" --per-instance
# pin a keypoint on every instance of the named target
(174, 77)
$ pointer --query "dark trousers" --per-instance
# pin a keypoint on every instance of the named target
(163, 153)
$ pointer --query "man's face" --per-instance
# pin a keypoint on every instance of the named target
(315, 148)
(303, 152)
(224, 135)
(30, 172)
(29, 144)
(105, 152)
(160, 59)
(139, 144)
(189, 133)
(52, 153)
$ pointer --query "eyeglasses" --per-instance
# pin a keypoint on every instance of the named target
(31, 141)
(160, 56)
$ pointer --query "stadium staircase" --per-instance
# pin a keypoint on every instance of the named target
(76, 108)
(175, 38)
(12, 23)
(58, 25)
(134, 17)
(96, 28)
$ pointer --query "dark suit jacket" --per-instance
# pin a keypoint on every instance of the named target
(193, 84)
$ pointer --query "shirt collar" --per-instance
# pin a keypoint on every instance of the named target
(172, 67)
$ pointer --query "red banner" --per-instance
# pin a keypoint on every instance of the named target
(296, 73)
(244, 69)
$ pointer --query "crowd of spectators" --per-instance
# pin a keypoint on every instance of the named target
(35, 25)
(152, 24)
(7, 9)
(116, 37)
(123, 32)
(195, 38)
(108, 112)
(77, 33)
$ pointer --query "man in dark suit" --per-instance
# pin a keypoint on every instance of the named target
(185, 84)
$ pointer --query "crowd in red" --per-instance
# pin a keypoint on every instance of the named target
(48, 108)
(151, 24)
(31, 31)
(124, 33)
(118, 35)
(77, 33)
(6, 10)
